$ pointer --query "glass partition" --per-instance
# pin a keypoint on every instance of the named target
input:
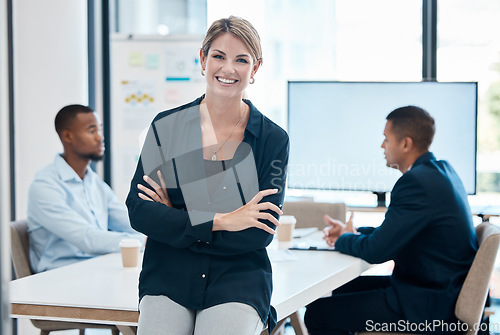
(158, 17)
(469, 49)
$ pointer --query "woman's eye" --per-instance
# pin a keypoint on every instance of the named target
(241, 60)
(218, 57)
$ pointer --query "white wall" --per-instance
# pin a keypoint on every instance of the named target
(50, 71)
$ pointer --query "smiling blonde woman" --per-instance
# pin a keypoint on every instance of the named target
(207, 192)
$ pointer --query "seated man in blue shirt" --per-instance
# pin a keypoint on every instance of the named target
(72, 214)
(427, 231)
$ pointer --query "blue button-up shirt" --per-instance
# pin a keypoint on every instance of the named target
(71, 219)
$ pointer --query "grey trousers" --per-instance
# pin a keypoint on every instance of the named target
(159, 315)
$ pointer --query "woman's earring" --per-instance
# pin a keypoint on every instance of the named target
(202, 71)
(252, 80)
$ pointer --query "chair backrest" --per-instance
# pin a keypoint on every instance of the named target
(19, 246)
(472, 297)
(310, 214)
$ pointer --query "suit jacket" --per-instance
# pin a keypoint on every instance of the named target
(428, 232)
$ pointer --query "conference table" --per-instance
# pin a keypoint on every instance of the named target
(100, 290)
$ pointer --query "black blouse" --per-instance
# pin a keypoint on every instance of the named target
(184, 259)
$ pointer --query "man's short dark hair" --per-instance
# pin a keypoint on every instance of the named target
(67, 114)
(413, 122)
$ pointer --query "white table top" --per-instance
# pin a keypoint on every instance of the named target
(312, 275)
(101, 283)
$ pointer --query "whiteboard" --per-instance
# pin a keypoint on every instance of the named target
(149, 74)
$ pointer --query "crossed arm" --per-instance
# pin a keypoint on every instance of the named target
(247, 216)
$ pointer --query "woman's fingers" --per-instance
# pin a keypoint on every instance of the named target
(265, 227)
(144, 197)
(153, 184)
(270, 206)
(269, 217)
(160, 191)
(162, 181)
(152, 194)
(249, 215)
(264, 193)
(164, 189)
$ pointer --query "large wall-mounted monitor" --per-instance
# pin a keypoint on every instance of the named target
(336, 131)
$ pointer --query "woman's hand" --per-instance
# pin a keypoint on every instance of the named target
(159, 194)
(248, 215)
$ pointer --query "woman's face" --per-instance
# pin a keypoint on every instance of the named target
(228, 66)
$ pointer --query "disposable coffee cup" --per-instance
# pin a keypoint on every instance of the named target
(285, 230)
(130, 250)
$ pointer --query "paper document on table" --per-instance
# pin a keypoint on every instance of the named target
(311, 244)
(281, 255)
(303, 232)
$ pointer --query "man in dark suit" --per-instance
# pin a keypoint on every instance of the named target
(427, 231)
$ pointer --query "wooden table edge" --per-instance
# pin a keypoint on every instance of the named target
(107, 316)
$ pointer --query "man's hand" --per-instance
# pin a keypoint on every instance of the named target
(336, 228)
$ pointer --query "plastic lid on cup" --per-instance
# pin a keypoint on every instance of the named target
(287, 219)
(130, 243)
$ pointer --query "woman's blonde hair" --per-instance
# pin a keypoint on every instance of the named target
(240, 28)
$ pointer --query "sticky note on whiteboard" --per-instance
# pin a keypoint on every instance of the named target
(172, 95)
(136, 58)
(152, 61)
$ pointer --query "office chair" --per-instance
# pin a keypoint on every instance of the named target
(469, 307)
(20, 258)
(310, 214)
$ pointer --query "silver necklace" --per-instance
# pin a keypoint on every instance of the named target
(214, 153)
